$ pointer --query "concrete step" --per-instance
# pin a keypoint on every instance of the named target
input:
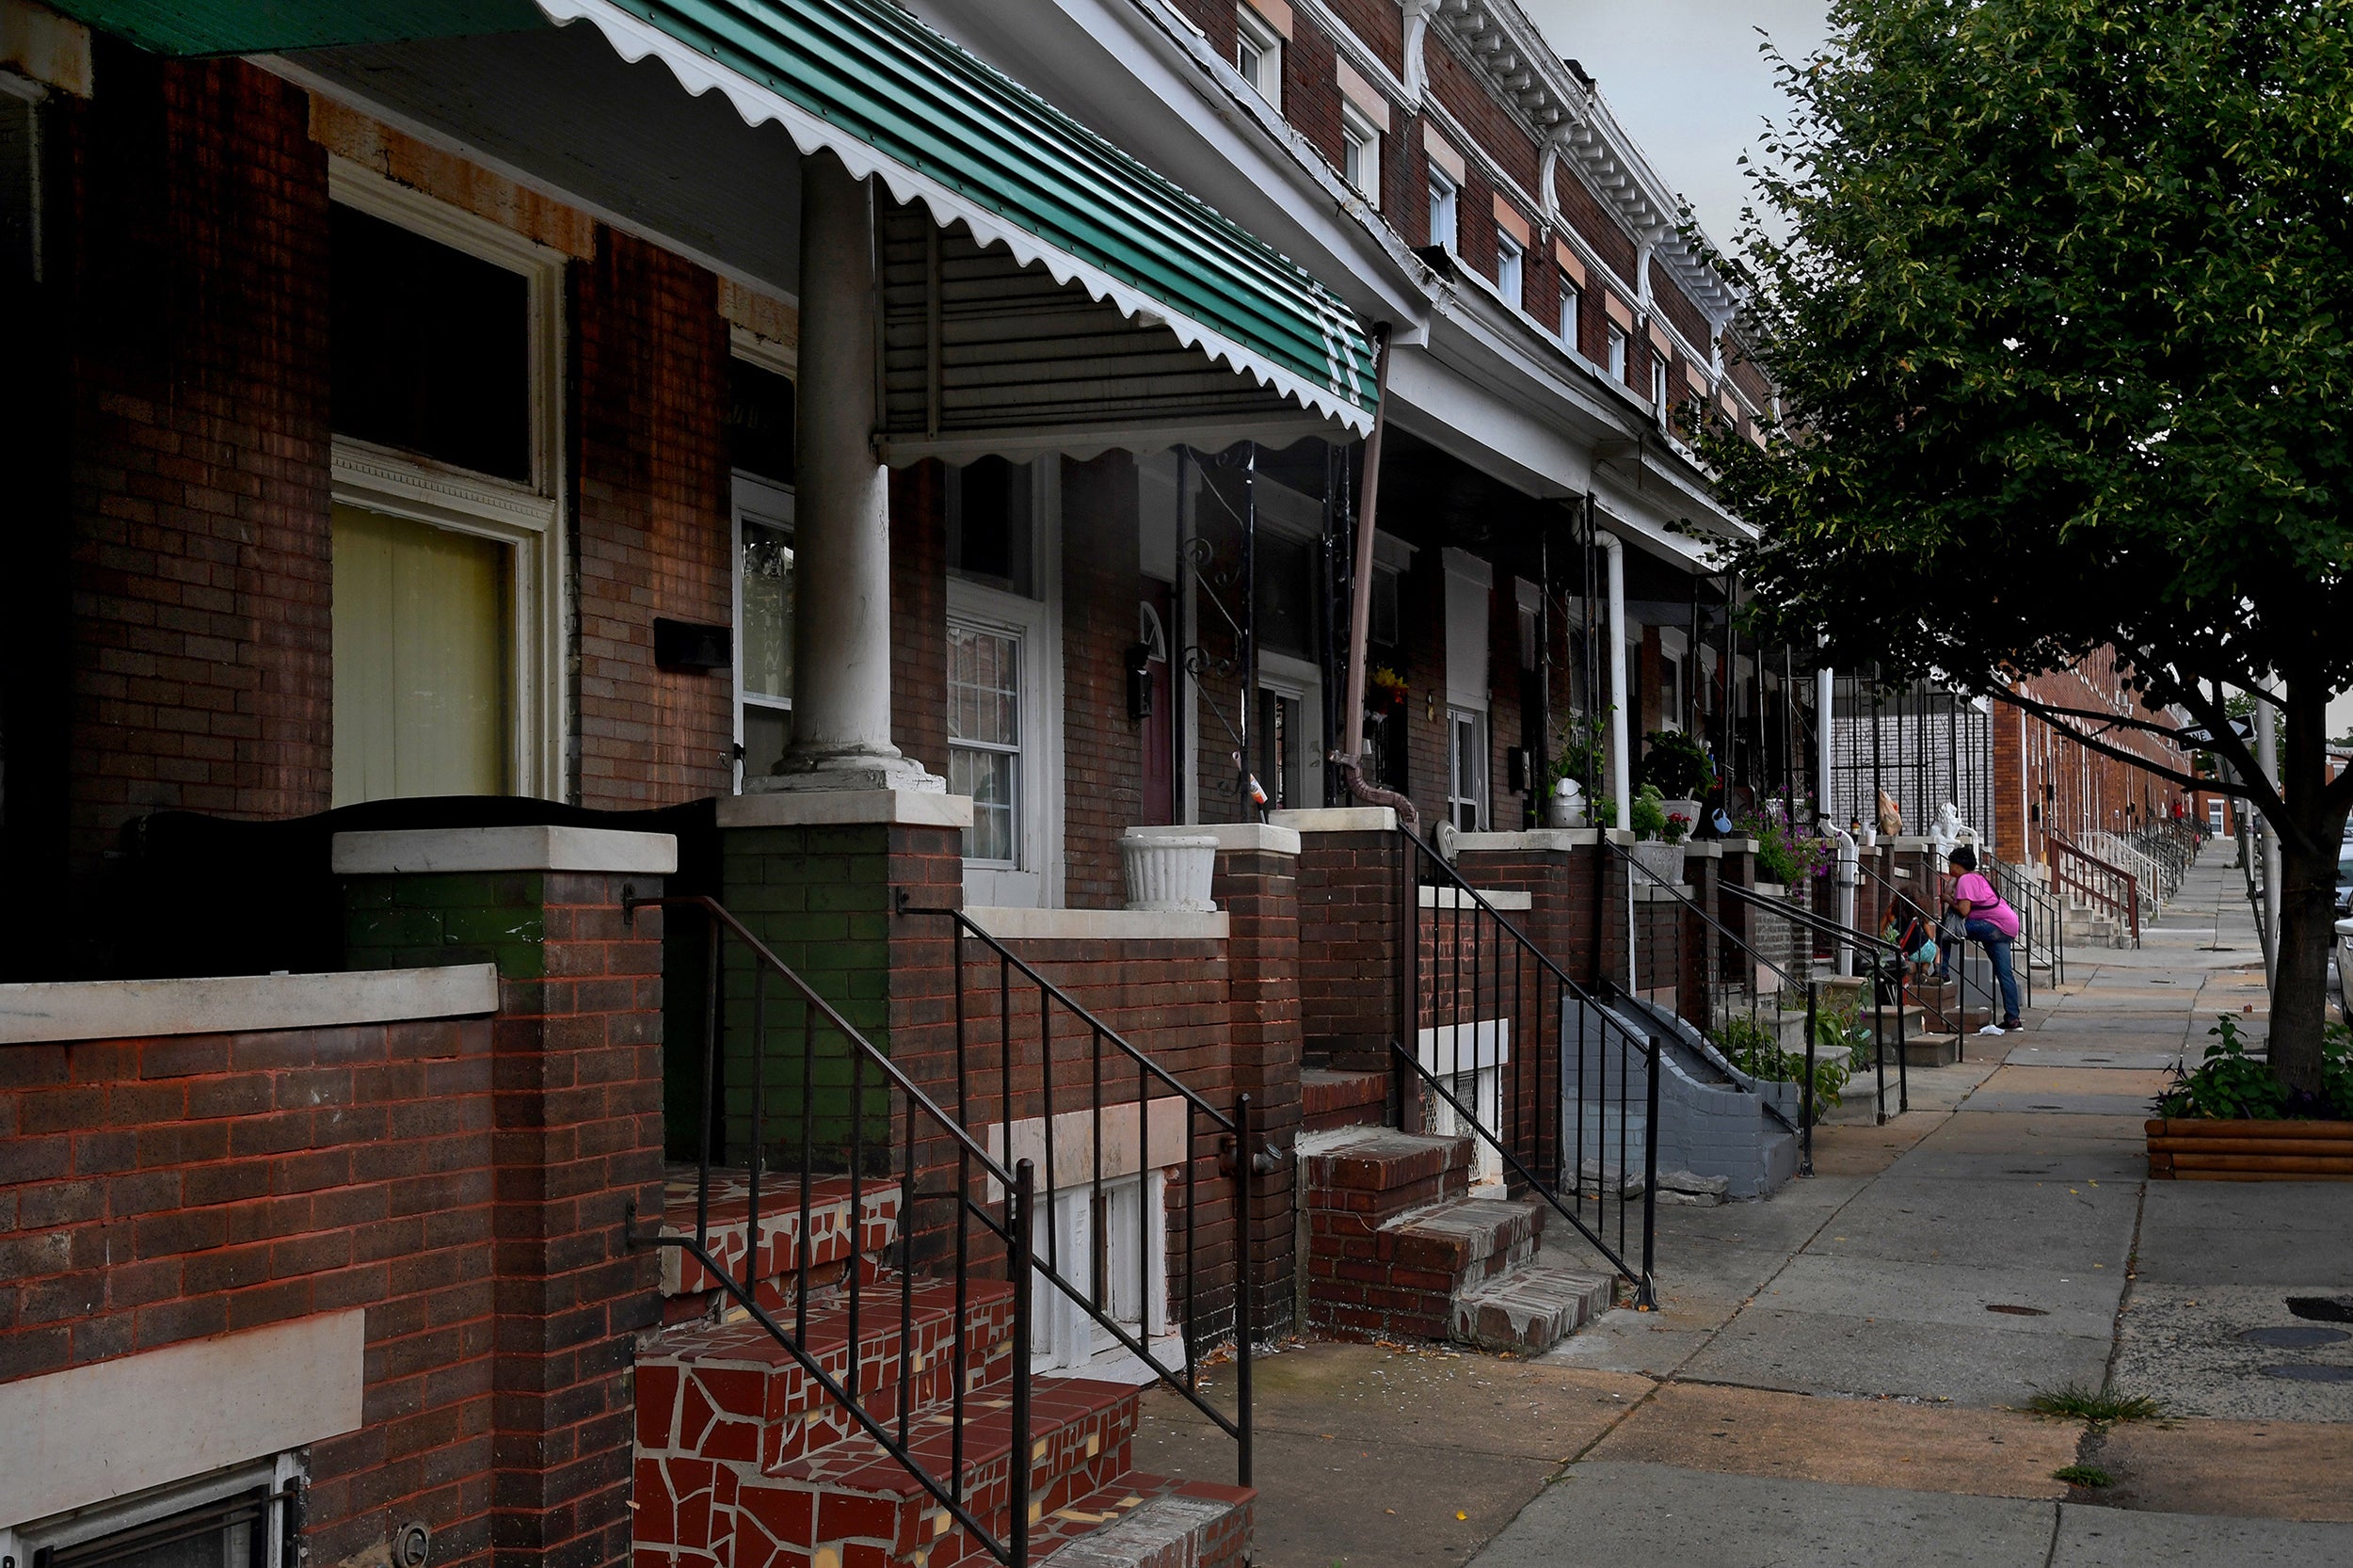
(1931, 1051)
(1144, 1521)
(1531, 1309)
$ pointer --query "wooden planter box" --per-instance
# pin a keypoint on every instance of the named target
(2202, 1150)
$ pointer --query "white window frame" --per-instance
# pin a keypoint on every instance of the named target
(1511, 269)
(1255, 37)
(1034, 880)
(1572, 300)
(763, 502)
(1360, 154)
(1062, 1333)
(274, 1474)
(1445, 199)
(1298, 679)
(1658, 383)
(527, 518)
(1617, 352)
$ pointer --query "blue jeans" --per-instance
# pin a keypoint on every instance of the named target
(1989, 936)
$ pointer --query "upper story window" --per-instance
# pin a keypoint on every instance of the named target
(1443, 195)
(1508, 268)
(1258, 54)
(992, 524)
(1658, 384)
(1617, 351)
(1570, 301)
(1360, 154)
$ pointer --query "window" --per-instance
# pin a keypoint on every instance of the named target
(1570, 300)
(1281, 772)
(761, 429)
(764, 624)
(1658, 384)
(1508, 268)
(1360, 154)
(1283, 581)
(229, 1519)
(1467, 768)
(992, 524)
(447, 539)
(421, 636)
(984, 739)
(1617, 352)
(429, 347)
(1385, 622)
(1441, 203)
(1258, 54)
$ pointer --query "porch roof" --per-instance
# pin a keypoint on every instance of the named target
(1146, 282)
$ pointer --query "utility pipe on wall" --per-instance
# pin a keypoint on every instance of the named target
(1825, 706)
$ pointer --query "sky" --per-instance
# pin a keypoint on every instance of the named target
(1684, 79)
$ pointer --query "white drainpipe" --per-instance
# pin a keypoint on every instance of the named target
(1621, 760)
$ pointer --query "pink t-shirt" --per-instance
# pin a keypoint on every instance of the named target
(1985, 904)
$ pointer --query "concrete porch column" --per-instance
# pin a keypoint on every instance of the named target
(841, 533)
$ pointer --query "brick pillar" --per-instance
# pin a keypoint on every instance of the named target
(1349, 966)
(1695, 989)
(576, 1138)
(816, 875)
(1257, 885)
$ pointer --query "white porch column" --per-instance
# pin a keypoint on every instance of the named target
(842, 525)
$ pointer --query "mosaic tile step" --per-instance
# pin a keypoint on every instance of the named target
(832, 1237)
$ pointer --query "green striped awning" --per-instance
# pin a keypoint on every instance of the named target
(934, 124)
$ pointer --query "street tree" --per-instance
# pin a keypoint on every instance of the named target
(2060, 307)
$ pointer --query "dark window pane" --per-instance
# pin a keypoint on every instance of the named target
(990, 523)
(217, 1535)
(1285, 575)
(760, 422)
(431, 348)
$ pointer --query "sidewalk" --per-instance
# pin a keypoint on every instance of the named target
(1839, 1374)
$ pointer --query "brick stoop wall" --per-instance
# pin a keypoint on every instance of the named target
(464, 1180)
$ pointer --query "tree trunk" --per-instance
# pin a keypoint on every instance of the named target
(2309, 841)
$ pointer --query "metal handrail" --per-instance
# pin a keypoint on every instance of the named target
(1927, 907)
(1184, 1380)
(1526, 950)
(2128, 906)
(2042, 924)
(1014, 1231)
(1838, 932)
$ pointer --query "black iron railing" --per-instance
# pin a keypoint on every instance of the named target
(1886, 897)
(1538, 1071)
(884, 1133)
(2042, 924)
(1883, 975)
(1108, 1076)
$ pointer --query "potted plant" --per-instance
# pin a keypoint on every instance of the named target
(1576, 771)
(2231, 1119)
(1680, 769)
(1657, 844)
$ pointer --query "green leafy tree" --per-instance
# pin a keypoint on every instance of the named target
(2060, 314)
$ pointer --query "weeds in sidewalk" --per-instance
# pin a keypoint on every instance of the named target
(2083, 1475)
(2079, 1403)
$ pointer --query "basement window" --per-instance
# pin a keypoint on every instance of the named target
(230, 1519)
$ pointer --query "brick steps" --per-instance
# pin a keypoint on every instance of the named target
(690, 1290)
(744, 1461)
(1399, 1248)
(1331, 1099)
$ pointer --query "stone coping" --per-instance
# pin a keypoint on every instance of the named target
(845, 809)
(39, 1012)
(1233, 836)
(1454, 897)
(1337, 819)
(1650, 892)
(1528, 838)
(1008, 923)
(538, 847)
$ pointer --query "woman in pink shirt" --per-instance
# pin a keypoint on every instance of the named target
(1990, 922)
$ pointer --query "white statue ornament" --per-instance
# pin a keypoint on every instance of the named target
(1948, 830)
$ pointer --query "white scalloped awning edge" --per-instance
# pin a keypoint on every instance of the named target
(635, 40)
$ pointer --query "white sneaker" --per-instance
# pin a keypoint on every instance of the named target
(1991, 1028)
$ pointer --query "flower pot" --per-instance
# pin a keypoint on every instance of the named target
(1169, 872)
(2192, 1149)
(1660, 862)
(1688, 809)
(1566, 808)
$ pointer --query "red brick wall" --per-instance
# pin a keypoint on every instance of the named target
(1595, 226)
(1215, 18)
(1102, 747)
(1379, 25)
(201, 558)
(461, 1179)
(650, 363)
(1464, 94)
(1311, 88)
(1667, 295)
(1348, 959)
(1259, 892)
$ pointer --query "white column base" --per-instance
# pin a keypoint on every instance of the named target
(855, 771)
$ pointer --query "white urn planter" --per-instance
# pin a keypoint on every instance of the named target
(1567, 806)
(1688, 809)
(1169, 874)
(1660, 861)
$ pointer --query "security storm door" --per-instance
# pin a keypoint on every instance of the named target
(422, 649)
(1467, 769)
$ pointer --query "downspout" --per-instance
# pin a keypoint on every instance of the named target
(1825, 700)
(1350, 758)
(1621, 762)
